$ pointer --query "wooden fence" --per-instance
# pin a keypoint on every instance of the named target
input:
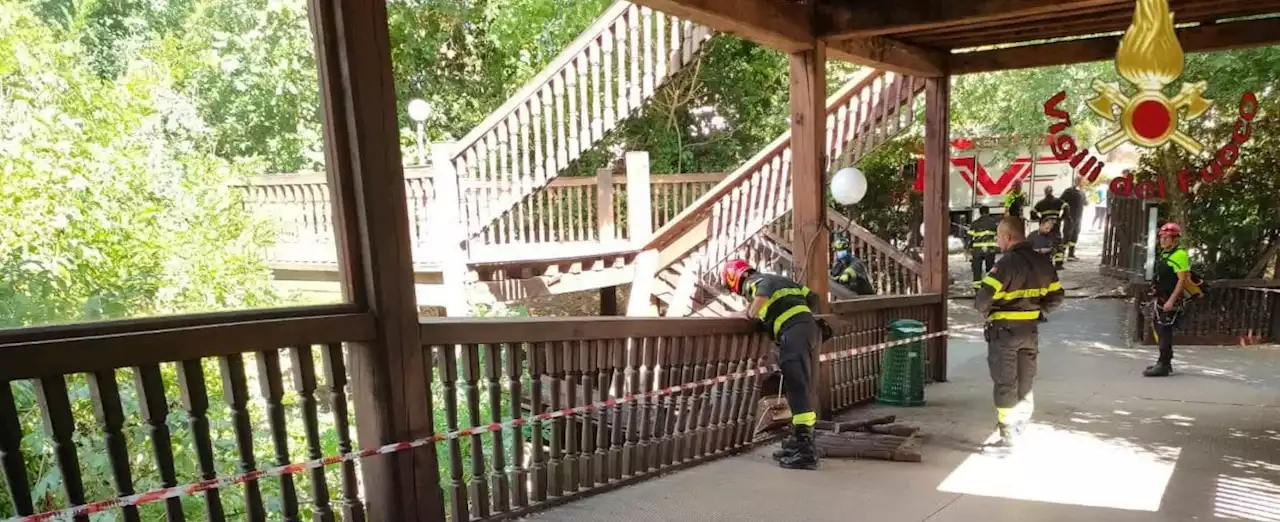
(1124, 240)
(1233, 312)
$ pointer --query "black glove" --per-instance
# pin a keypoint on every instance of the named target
(827, 333)
(759, 326)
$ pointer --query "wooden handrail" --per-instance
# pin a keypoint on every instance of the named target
(879, 244)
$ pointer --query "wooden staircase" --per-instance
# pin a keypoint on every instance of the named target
(729, 220)
(597, 82)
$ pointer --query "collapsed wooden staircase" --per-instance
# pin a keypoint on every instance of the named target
(733, 218)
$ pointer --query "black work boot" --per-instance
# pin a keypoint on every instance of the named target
(1159, 369)
(805, 455)
(1005, 443)
(788, 447)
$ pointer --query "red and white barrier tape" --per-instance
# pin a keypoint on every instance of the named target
(1267, 290)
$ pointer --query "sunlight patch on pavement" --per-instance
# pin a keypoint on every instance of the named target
(1070, 467)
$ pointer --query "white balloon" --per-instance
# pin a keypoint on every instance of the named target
(848, 186)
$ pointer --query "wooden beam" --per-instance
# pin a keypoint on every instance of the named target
(784, 26)
(863, 18)
(1200, 39)
(390, 376)
(889, 54)
(808, 80)
(937, 219)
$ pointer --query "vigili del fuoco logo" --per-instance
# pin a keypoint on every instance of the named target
(1149, 58)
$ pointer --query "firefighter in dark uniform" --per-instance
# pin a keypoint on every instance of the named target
(784, 308)
(851, 273)
(1014, 297)
(1042, 240)
(1015, 201)
(1051, 208)
(1074, 202)
(982, 245)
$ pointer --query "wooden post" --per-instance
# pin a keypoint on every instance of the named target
(609, 301)
(449, 230)
(1275, 319)
(937, 218)
(808, 74)
(639, 202)
(604, 205)
(390, 377)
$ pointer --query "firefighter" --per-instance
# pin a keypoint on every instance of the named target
(1051, 208)
(1013, 299)
(1042, 240)
(1014, 202)
(851, 273)
(1171, 283)
(1074, 202)
(982, 245)
(784, 308)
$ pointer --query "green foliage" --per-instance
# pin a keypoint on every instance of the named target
(114, 204)
(886, 209)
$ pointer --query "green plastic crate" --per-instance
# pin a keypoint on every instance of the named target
(902, 378)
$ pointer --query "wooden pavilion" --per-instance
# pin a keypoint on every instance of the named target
(391, 372)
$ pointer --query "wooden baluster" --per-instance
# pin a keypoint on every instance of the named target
(527, 180)
(604, 91)
(688, 42)
(590, 224)
(555, 363)
(650, 428)
(583, 64)
(885, 102)
(15, 466)
(495, 193)
(702, 368)
(562, 120)
(497, 476)
(195, 399)
(621, 29)
(484, 189)
(510, 188)
(687, 400)
(477, 487)
(107, 410)
(595, 121)
(59, 426)
(335, 371)
(715, 397)
(559, 201)
(634, 21)
(584, 354)
(760, 355)
(618, 377)
(746, 401)
(632, 460)
(737, 351)
(647, 49)
(575, 211)
(236, 394)
(660, 56)
(271, 384)
(671, 54)
(518, 476)
(669, 358)
(574, 145)
(154, 408)
(604, 371)
(547, 118)
(304, 382)
(573, 433)
(538, 355)
(446, 358)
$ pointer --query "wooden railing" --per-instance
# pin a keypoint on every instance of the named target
(864, 114)
(510, 372)
(568, 209)
(1232, 312)
(595, 83)
(891, 271)
(89, 419)
(572, 209)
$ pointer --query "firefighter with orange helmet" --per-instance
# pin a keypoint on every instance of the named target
(784, 308)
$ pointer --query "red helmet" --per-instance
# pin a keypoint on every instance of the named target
(735, 270)
(1171, 229)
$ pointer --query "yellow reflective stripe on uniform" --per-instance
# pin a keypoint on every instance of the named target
(1026, 293)
(1014, 316)
(786, 314)
(982, 233)
(804, 419)
(791, 312)
(987, 244)
(1003, 414)
(993, 283)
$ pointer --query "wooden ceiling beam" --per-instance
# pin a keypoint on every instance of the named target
(891, 55)
(1204, 38)
(787, 27)
(863, 18)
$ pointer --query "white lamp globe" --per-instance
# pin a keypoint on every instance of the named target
(848, 186)
(419, 110)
